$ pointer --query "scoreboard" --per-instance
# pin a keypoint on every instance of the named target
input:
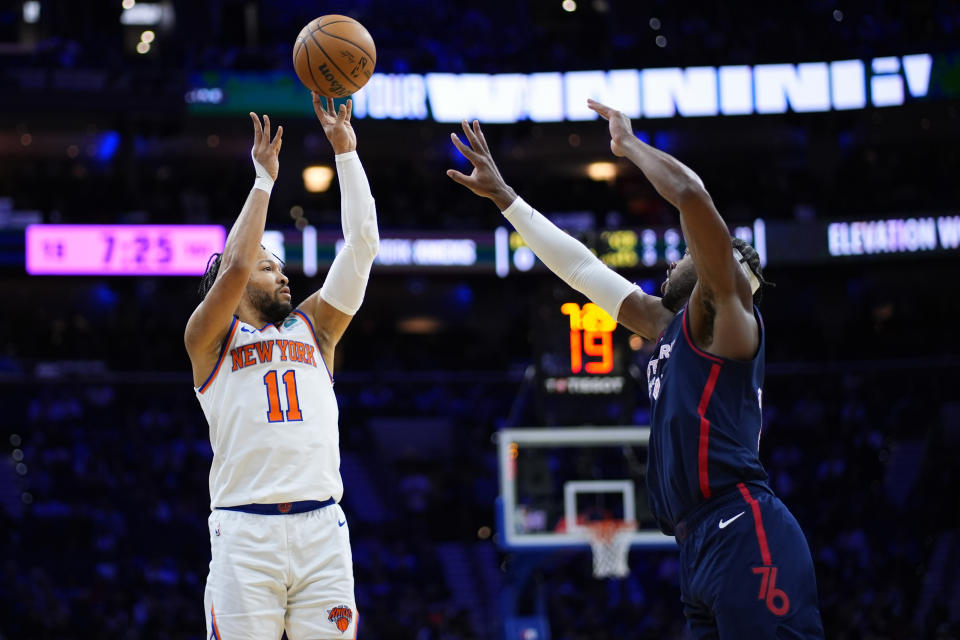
(627, 248)
(121, 249)
(52, 249)
(583, 362)
(620, 248)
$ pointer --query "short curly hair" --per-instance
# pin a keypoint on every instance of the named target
(213, 268)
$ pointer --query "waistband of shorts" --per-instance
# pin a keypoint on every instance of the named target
(281, 508)
(689, 523)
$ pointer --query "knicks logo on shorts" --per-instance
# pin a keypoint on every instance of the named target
(341, 615)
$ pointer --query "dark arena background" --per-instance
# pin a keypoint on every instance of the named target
(826, 132)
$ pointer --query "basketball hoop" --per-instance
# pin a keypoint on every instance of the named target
(610, 543)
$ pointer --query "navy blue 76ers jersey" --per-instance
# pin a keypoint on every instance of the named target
(704, 423)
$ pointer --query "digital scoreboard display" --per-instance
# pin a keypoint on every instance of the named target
(624, 248)
(52, 249)
(582, 362)
(591, 335)
(121, 249)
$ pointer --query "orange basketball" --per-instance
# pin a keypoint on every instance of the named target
(334, 56)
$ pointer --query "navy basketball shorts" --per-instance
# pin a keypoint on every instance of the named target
(746, 571)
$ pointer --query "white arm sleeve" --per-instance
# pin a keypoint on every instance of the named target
(569, 259)
(346, 281)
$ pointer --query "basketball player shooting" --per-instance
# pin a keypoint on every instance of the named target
(263, 373)
(745, 566)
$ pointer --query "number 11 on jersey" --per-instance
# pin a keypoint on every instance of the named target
(274, 412)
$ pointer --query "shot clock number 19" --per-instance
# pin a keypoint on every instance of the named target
(591, 334)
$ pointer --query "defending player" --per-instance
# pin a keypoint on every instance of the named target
(746, 569)
(263, 372)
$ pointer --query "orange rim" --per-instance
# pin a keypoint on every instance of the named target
(605, 530)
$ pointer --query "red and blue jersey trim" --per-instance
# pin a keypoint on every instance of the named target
(720, 359)
(697, 350)
(316, 342)
(223, 352)
(703, 445)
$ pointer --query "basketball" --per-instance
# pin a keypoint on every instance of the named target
(334, 56)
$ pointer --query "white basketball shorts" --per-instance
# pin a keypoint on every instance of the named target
(270, 573)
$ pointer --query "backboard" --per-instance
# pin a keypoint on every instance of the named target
(555, 480)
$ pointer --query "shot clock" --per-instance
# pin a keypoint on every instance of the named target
(583, 373)
(121, 249)
(591, 334)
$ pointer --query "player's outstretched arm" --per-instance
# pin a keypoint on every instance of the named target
(563, 255)
(332, 307)
(721, 285)
(210, 321)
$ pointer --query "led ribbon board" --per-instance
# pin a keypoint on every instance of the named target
(121, 249)
(557, 96)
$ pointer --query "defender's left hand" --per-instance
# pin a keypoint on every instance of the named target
(485, 179)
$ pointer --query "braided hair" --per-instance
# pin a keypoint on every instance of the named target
(210, 275)
(213, 268)
(753, 262)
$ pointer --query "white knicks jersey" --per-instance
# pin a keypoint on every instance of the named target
(273, 417)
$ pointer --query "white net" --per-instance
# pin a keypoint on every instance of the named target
(610, 543)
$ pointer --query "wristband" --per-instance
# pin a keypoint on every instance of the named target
(264, 184)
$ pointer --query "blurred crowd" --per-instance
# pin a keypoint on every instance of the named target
(103, 526)
(104, 452)
(501, 36)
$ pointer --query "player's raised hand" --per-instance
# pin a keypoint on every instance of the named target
(485, 179)
(621, 132)
(336, 124)
(265, 152)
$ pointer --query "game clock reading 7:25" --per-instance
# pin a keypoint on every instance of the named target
(121, 249)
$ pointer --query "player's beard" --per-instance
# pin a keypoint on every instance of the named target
(679, 289)
(272, 307)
